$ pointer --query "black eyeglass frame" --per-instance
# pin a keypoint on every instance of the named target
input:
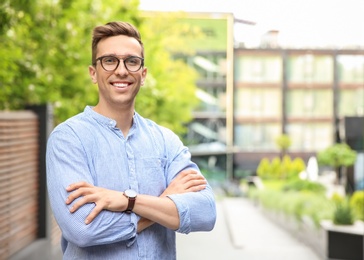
(124, 60)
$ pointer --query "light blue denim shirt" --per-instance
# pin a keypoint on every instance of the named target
(89, 147)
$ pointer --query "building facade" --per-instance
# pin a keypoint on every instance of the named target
(251, 96)
(304, 93)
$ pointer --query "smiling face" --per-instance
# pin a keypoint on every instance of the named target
(118, 89)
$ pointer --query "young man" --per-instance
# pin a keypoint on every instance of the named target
(120, 185)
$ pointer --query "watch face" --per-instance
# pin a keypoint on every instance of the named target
(130, 193)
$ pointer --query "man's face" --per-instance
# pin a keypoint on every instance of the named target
(118, 87)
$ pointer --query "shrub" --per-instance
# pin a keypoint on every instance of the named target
(304, 185)
(357, 204)
(280, 169)
(286, 166)
(343, 214)
(264, 168)
(337, 198)
(297, 166)
(298, 204)
(276, 168)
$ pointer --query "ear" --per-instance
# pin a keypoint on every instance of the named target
(93, 74)
(144, 75)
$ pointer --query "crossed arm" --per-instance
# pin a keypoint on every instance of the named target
(151, 209)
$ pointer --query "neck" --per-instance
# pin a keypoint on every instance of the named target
(122, 115)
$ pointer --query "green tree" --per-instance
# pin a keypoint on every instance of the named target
(283, 142)
(44, 59)
(337, 156)
(168, 96)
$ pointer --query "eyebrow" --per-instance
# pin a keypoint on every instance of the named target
(122, 56)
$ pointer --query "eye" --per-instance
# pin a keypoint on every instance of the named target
(109, 60)
(133, 61)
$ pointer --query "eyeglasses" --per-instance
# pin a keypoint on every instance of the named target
(111, 63)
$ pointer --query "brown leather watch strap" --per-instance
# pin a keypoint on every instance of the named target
(131, 195)
(130, 205)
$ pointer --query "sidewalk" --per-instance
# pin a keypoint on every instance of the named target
(242, 233)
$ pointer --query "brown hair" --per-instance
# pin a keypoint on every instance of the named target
(114, 29)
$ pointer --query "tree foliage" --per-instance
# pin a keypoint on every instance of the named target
(45, 47)
(337, 155)
(169, 93)
(283, 142)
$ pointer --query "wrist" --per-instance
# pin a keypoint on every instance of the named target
(131, 195)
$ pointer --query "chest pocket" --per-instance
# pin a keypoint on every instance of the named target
(151, 174)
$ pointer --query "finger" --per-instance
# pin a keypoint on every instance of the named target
(187, 172)
(78, 204)
(197, 188)
(78, 185)
(185, 175)
(192, 177)
(82, 201)
(193, 183)
(190, 172)
(76, 194)
(96, 211)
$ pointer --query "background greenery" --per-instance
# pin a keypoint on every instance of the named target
(45, 50)
(303, 198)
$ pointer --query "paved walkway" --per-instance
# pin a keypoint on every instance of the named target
(242, 233)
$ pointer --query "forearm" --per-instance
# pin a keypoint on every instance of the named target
(108, 227)
(197, 210)
(144, 223)
(161, 210)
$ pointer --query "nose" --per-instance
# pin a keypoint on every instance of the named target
(121, 69)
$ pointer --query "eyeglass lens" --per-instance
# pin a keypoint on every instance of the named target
(110, 63)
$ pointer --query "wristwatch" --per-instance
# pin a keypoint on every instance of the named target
(131, 195)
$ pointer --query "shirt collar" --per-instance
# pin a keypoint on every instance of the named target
(106, 120)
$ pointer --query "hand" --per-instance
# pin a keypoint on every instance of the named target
(186, 181)
(103, 199)
(143, 223)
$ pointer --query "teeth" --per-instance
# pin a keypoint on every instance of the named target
(120, 85)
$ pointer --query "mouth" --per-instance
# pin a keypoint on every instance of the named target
(120, 85)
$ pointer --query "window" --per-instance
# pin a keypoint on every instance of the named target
(258, 102)
(351, 102)
(309, 68)
(351, 68)
(310, 136)
(310, 103)
(258, 69)
(257, 137)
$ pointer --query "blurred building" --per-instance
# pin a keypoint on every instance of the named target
(250, 96)
(303, 93)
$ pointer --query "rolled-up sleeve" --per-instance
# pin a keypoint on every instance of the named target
(197, 210)
(67, 163)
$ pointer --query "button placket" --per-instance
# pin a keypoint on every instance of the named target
(131, 164)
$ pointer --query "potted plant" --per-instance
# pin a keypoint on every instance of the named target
(344, 235)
